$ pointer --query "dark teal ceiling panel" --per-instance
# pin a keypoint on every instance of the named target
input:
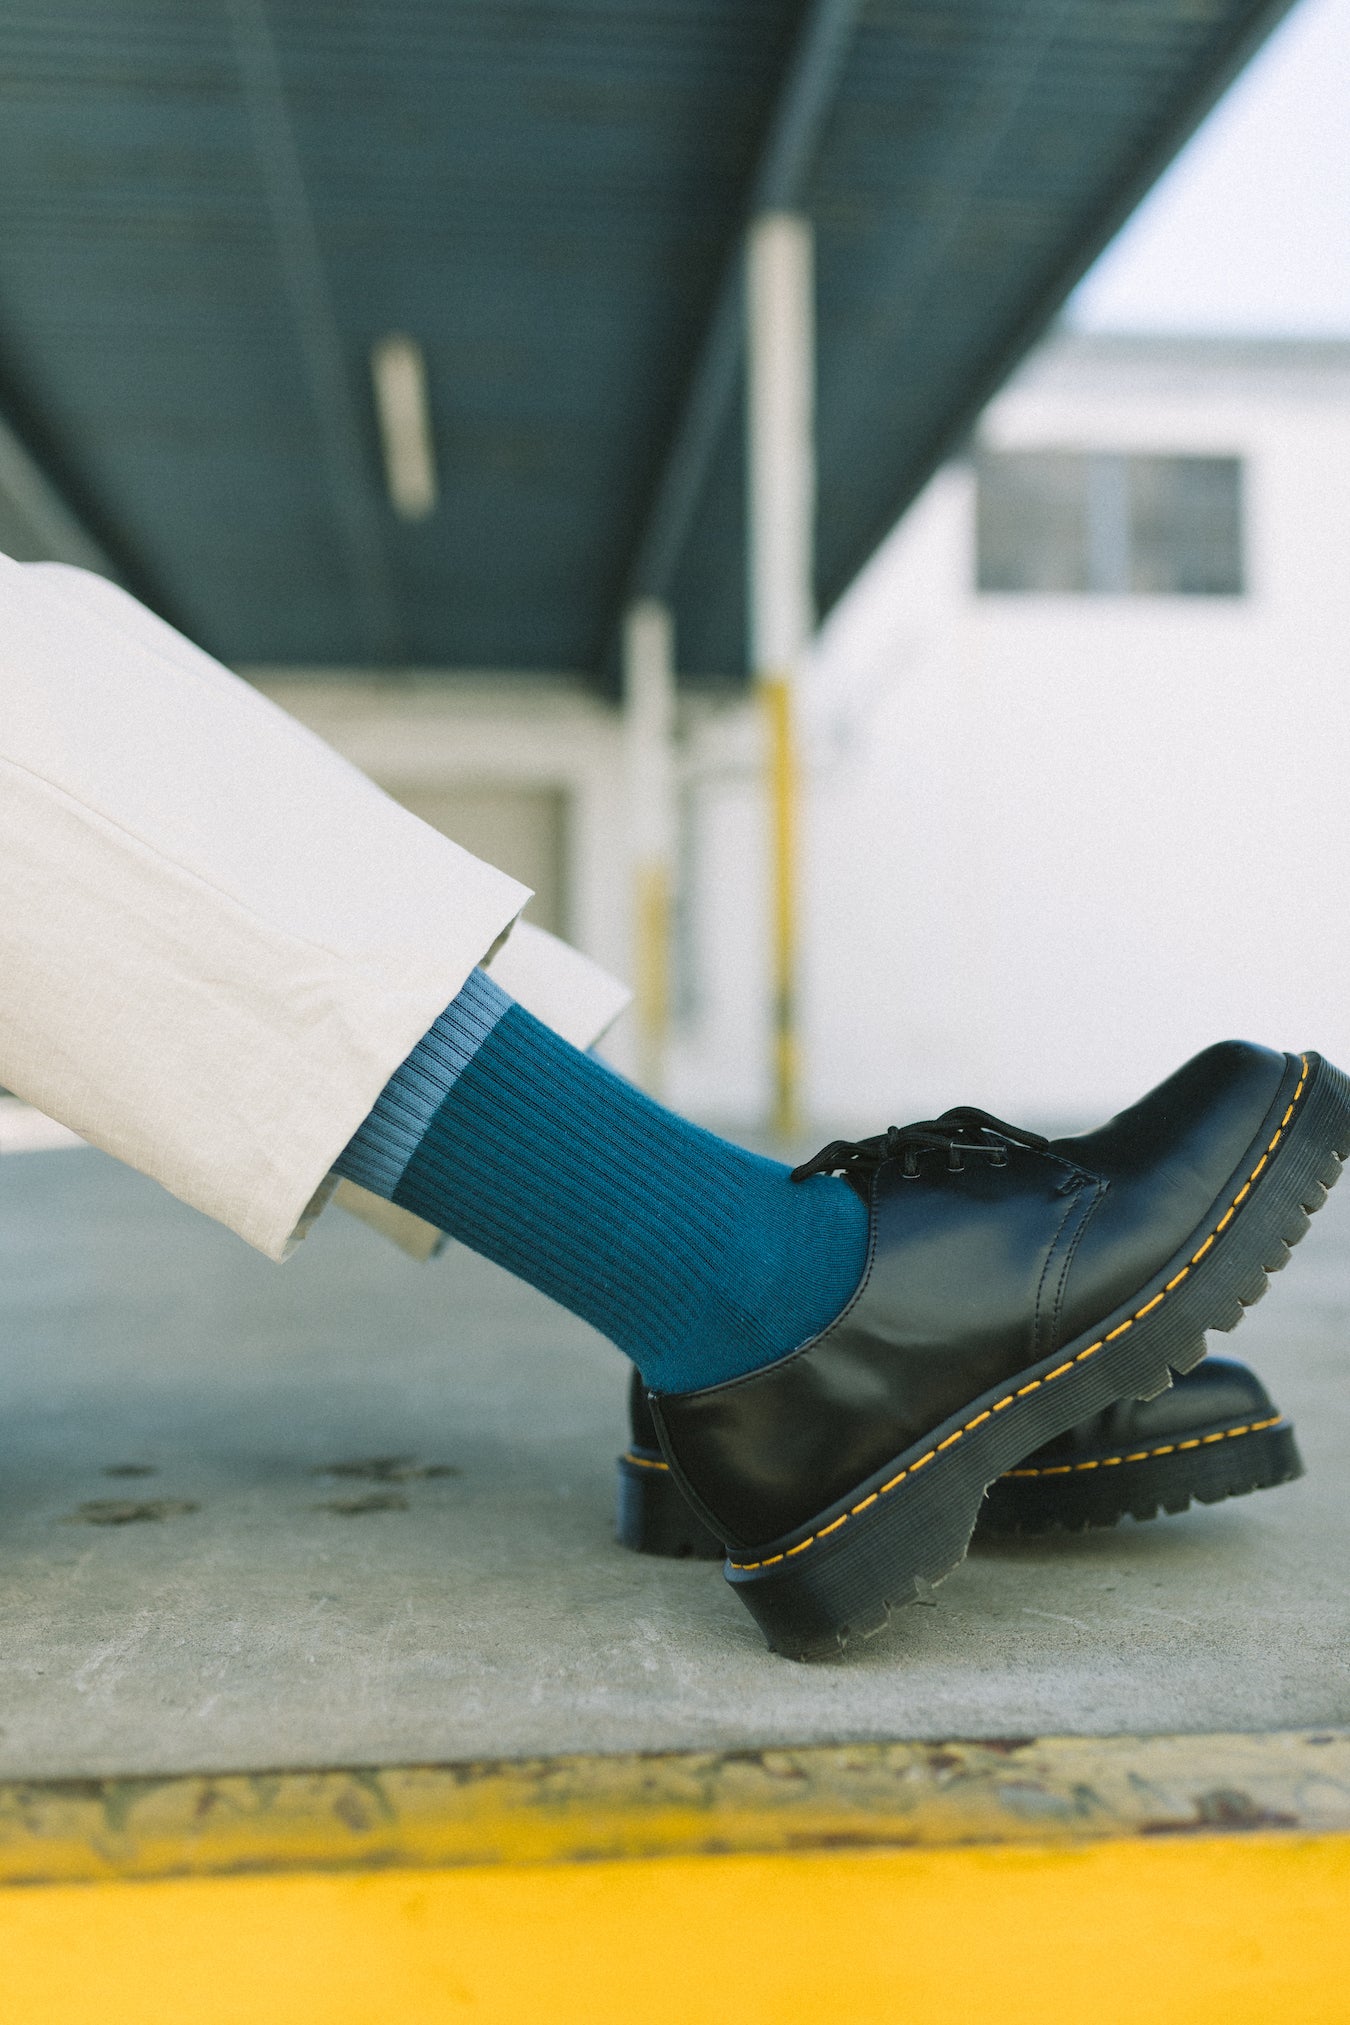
(209, 212)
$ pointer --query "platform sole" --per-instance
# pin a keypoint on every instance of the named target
(895, 1536)
(653, 1516)
(1100, 1490)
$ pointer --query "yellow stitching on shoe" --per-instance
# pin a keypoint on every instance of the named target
(980, 1418)
(1145, 1454)
(999, 1404)
(950, 1439)
(1148, 1310)
(866, 1502)
(644, 1462)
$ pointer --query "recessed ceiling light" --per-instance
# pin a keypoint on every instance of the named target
(399, 373)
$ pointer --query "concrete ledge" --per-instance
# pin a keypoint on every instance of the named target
(589, 1809)
(1171, 1878)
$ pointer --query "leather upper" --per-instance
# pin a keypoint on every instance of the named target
(973, 1275)
(1164, 1160)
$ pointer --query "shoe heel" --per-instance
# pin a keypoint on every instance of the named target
(844, 1590)
(652, 1515)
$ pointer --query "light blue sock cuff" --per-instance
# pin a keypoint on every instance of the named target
(377, 1156)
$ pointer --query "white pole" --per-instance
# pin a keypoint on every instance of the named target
(780, 408)
(649, 720)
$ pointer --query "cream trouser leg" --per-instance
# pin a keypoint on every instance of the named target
(217, 938)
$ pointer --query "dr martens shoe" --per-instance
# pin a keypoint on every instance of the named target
(652, 1514)
(1014, 1288)
(1213, 1434)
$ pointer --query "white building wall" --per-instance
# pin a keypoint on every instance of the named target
(1057, 844)
(720, 1057)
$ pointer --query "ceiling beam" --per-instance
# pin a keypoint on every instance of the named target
(305, 282)
(58, 520)
(803, 105)
(54, 529)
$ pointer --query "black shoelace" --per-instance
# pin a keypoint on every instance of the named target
(962, 1130)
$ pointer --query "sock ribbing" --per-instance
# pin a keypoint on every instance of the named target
(381, 1150)
(699, 1260)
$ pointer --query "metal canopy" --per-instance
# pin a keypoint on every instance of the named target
(209, 214)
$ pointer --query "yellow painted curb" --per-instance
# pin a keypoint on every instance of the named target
(1221, 1931)
(1140, 1880)
(570, 1809)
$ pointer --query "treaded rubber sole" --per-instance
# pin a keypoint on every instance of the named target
(653, 1516)
(1204, 1467)
(894, 1537)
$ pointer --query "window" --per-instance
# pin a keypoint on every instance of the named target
(1075, 521)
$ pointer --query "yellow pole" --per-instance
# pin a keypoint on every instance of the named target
(649, 712)
(780, 403)
(651, 993)
(776, 694)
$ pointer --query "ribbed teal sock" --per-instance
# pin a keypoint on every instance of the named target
(699, 1260)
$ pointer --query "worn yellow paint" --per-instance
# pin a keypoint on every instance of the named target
(1133, 1879)
(1238, 1930)
(775, 693)
(652, 923)
(680, 1803)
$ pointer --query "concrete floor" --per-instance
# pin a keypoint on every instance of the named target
(279, 1615)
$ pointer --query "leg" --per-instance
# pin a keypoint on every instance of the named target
(233, 962)
(217, 940)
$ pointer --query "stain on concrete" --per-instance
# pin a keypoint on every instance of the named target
(130, 1470)
(388, 1469)
(130, 1511)
(1225, 1807)
(374, 1501)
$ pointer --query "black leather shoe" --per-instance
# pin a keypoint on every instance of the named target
(1214, 1434)
(1013, 1288)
